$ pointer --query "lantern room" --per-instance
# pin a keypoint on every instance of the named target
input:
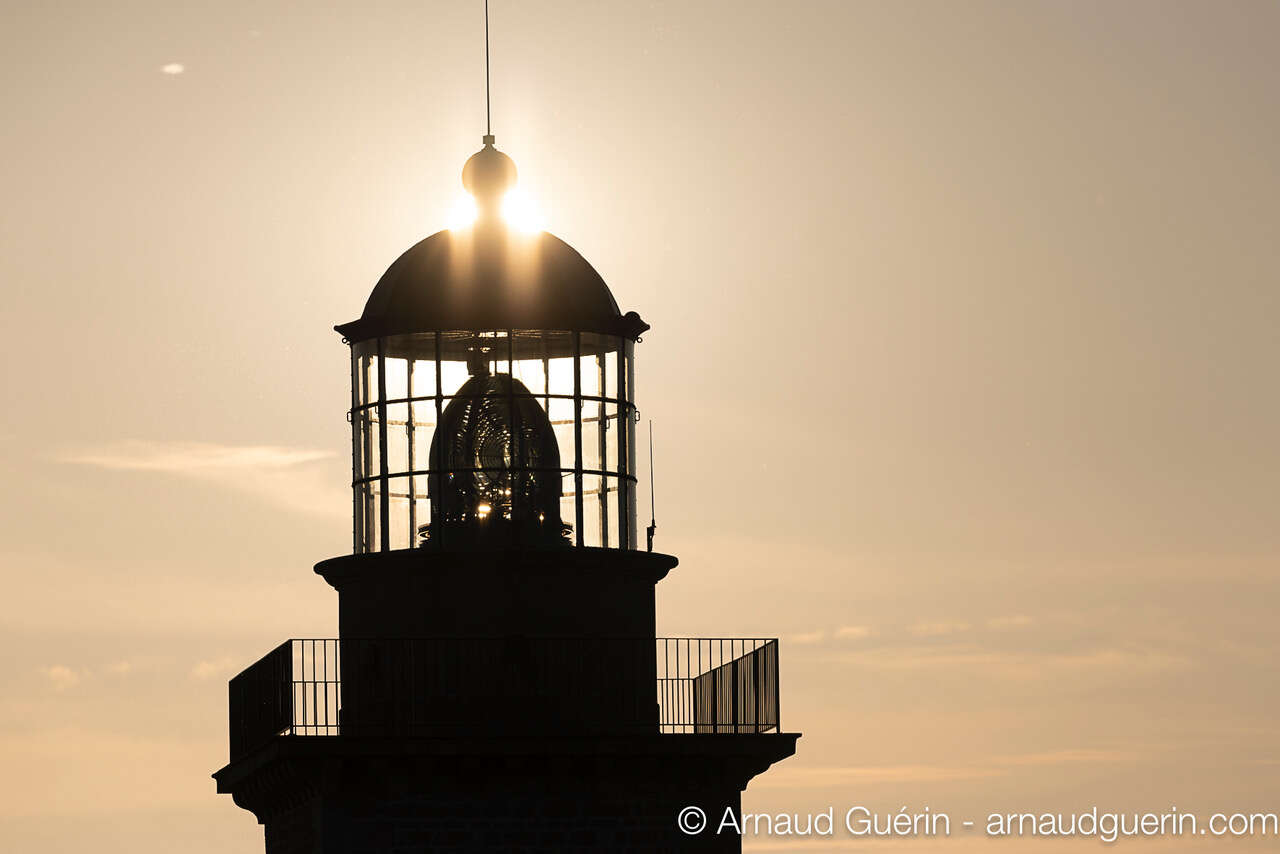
(492, 392)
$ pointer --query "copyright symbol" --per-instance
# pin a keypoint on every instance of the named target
(691, 820)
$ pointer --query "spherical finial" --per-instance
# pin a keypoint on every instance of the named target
(488, 175)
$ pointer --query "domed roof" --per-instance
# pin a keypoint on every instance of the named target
(491, 277)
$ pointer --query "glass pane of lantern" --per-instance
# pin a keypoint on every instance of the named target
(420, 509)
(611, 436)
(592, 435)
(561, 415)
(366, 377)
(424, 425)
(455, 347)
(372, 529)
(397, 437)
(531, 375)
(452, 376)
(396, 377)
(590, 373)
(568, 503)
(532, 361)
(608, 502)
(398, 512)
(372, 445)
(359, 423)
(423, 378)
(600, 354)
(364, 437)
(591, 493)
(561, 376)
(610, 386)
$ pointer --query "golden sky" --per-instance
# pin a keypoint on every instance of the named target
(962, 370)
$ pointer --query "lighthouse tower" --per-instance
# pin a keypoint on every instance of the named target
(497, 684)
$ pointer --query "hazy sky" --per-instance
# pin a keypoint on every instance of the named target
(962, 369)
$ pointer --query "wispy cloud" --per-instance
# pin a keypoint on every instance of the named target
(194, 458)
(62, 678)
(288, 477)
(855, 632)
(806, 637)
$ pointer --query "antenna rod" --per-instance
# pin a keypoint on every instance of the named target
(653, 515)
(488, 122)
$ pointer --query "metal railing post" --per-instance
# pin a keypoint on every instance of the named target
(737, 708)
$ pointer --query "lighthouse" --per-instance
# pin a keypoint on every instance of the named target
(497, 683)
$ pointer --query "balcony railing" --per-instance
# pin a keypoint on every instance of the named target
(441, 686)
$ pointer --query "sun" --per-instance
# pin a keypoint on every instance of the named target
(518, 211)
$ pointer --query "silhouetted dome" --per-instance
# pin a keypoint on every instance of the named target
(489, 277)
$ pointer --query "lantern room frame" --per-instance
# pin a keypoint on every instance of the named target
(402, 384)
